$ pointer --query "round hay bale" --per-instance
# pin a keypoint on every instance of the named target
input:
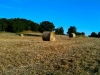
(21, 35)
(72, 35)
(48, 36)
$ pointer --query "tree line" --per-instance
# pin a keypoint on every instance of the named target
(94, 34)
(19, 24)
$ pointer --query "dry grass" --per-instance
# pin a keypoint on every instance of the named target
(31, 56)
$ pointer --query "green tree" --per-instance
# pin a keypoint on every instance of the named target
(0, 27)
(10, 23)
(34, 26)
(99, 34)
(26, 24)
(80, 33)
(59, 30)
(72, 29)
(17, 25)
(3, 24)
(46, 26)
(93, 34)
(83, 33)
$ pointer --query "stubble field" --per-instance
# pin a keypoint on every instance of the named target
(29, 55)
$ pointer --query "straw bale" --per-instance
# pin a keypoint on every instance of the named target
(48, 36)
(72, 35)
(21, 35)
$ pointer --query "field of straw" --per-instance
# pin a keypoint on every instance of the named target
(29, 55)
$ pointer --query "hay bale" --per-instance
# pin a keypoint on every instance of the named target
(21, 35)
(72, 35)
(48, 36)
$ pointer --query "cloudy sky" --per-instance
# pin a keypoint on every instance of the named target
(84, 14)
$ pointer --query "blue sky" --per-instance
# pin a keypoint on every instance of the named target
(84, 14)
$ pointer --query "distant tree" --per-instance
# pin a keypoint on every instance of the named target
(0, 25)
(93, 34)
(56, 30)
(83, 33)
(72, 29)
(10, 23)
(3, 24)
(46, 26)
(34, 26)
(59, 30)
(98, 34)
(80, 33)
(26, 24)
(19, 25)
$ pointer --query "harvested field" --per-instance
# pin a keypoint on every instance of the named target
(30, 55)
